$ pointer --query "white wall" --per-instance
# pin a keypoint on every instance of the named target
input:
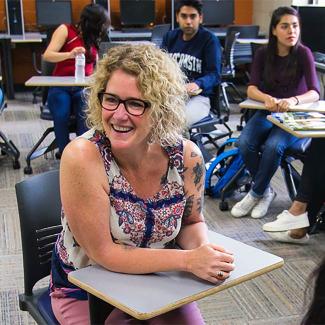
(262, 10)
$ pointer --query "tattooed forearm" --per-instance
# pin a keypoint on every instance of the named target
(188, 206)
(197, 173)
(194, 154)
(199, 202)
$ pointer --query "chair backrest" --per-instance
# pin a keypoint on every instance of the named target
(158, 33)
(246, 31)
(39, 207)
(243, 52)
(228, 54)
(47, 69)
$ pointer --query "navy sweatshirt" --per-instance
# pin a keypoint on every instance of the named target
(199, 58)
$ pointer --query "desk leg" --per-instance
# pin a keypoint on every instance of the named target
(98, 309)
(5, 45)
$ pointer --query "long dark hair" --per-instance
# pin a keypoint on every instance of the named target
(316, 312)
(93, 24)
(272, 49)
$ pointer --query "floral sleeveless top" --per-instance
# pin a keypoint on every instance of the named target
(154, 222)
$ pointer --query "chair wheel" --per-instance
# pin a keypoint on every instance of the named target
(239, 128)
(3, 153)
(247, 187)
(16, 164)
(223, 206)
(28, 170)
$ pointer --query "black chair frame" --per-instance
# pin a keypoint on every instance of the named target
(7, 147)
(39, 207)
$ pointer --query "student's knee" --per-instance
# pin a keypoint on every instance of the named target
(273, 148)
(246, 146)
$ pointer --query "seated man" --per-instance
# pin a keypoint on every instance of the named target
(198, 53)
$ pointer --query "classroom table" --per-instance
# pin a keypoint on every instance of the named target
(261, 41)
(6, 41)
(51, 81)
(149, 295)
(318, 106)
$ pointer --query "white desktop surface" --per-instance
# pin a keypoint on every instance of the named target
(24, 38)
(318, 106)
(146, 296)
(252, 40)
(48, 81)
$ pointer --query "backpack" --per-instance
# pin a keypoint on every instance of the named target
(221, 169)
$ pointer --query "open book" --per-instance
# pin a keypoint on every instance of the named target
(302, 120)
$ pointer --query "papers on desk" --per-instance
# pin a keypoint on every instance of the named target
(315, 107)
(302, 120)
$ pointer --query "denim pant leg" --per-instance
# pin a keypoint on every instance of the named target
(275, 145)
(78, 104)
(59, 103)
(252, 138)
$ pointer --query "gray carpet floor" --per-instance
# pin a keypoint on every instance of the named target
(278, 297)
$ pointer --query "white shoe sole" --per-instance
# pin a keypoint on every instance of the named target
(284, 237)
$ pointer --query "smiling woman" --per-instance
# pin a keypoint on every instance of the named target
(132, 187)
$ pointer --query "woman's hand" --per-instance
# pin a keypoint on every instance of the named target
(210, 262)
(285, 103)
(77, 50)
(271, 103)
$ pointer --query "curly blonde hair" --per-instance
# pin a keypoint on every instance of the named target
(160, 82)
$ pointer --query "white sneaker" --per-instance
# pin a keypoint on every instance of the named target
(243, 207)
(260, 209)
(284, 237)
(287, 221)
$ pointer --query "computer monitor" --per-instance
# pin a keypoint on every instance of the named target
(51, 13)
(137, 12)
(218, 12)
(313, 27)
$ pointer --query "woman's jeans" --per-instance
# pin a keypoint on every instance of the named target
(64, 102)
(262, 163)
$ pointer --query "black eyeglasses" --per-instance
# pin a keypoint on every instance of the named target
(133, 106)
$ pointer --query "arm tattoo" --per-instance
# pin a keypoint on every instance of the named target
(199, 202)
(198, 173)
(194, 154)
(188, 206)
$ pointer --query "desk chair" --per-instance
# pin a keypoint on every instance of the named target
(243, 52)
(39, 207)
(206, 131)
(246, 113)
(6, 145)
(45, 114)
(228, 69)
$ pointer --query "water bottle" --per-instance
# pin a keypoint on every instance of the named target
(79, 73)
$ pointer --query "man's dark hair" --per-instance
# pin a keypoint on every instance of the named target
(197, 4)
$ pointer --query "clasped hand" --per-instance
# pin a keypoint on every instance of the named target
(211, 262)
(279, 105)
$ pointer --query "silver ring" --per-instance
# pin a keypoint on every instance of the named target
(220, 274)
